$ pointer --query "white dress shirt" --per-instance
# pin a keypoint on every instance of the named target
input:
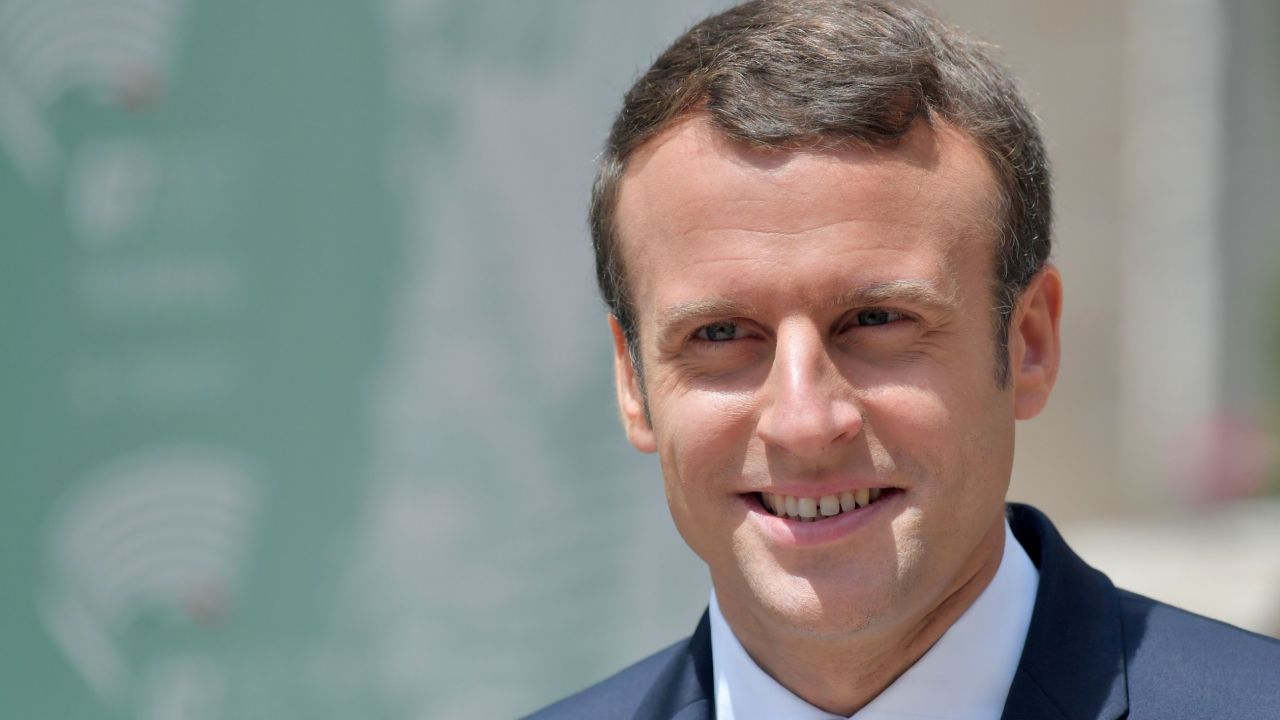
(965, 675)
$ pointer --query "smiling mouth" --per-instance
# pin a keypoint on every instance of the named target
(817, 509)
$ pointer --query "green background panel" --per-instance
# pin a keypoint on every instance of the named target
(307, 405)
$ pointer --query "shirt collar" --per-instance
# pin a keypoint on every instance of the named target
(965, 675)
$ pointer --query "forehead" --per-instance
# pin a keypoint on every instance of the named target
(691, 191)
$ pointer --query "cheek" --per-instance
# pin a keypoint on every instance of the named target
(913, 415)
(702, 436)
(702, 441)
(955, 433)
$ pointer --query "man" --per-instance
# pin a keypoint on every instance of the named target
(822, 230)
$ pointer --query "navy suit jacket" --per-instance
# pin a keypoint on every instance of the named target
(1092, 653)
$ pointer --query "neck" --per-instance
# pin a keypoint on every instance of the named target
(841, 676)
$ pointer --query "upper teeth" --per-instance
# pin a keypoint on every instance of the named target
(808, 508)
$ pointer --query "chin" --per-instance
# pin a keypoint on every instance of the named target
(825, 605)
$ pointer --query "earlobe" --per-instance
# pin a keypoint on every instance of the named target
(1034, 343)
(631, 401)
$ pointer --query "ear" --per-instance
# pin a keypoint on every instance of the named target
(630, 395)
(1034, 348)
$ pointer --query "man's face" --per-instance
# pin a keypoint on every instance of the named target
(818, 325)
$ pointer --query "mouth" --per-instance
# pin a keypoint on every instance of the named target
(822, 508)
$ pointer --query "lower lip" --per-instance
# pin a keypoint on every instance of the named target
(793, 533)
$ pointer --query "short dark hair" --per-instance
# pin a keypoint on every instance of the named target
(787, 73)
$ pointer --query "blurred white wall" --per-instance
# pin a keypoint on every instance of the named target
(1162, 124)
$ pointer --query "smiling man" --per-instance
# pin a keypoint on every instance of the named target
(822, 230)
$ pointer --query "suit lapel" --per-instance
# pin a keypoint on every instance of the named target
(1072, 666)
(683, 690)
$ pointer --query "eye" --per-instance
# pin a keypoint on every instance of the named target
(878, 316)
(719, 332)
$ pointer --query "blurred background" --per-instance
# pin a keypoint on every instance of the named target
(307, 407)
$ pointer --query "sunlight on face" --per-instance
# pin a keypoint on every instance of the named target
(810, 324)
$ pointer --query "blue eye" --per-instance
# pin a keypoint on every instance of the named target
(877, 316)
(718, 332)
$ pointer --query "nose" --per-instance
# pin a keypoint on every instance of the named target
(808, 406)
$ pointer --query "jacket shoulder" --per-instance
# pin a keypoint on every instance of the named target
(1180, 664)
(616, 696)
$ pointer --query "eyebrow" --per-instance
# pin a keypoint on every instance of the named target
(683, 313)
(919, 293)
(924, 293)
